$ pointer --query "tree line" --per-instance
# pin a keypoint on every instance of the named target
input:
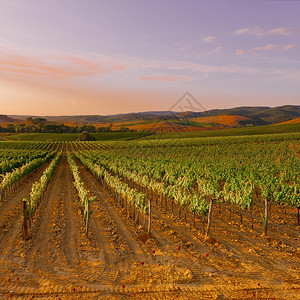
(42, 127)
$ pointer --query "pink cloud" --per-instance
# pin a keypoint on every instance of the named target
(52, 65)
(239, 52)
(288, 47)
(208, 39)
(164, 78)
(270, 47)
(252, 31)
(281, 31)
(257, 31)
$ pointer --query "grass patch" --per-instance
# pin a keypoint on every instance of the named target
(194, 124)
(268, 129)
(101, 136)
(145, 122)
(196, 141)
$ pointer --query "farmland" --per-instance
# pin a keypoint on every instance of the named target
(104, 136)
(191, 218)
(257, 130)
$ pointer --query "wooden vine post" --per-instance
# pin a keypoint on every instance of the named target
(266, 217)
(29, 210)
(251, 215)
(194, 219)
(137, 219)
(25, 228)
(87, 219)
(149, 218)
(209, 215)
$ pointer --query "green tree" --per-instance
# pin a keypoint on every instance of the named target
(11, 128)
(86, 136)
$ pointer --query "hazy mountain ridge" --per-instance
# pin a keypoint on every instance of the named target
(7, 119)
(258, 115)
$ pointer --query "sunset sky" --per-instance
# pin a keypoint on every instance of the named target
(70, 57)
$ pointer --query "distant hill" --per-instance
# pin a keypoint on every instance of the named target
(94, 119)
(260, 115)
(243, 111)
(293, 121)
(244, 116)
(7, 119)
(228, 120)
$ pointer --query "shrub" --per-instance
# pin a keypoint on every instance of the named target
(86, 136)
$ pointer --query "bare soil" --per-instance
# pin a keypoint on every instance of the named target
(118, 260)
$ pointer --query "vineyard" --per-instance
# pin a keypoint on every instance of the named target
(190, 218)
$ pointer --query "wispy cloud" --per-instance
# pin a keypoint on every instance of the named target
(186, 67)
(164, 78)
(208, 39)
(281, 31)
(258, 31)
(195, 70)
(269, 47)
(216, 50)
(288, 47)
(239, 52)
(53, 65)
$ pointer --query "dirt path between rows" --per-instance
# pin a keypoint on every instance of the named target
(118, 260)
(238, 262)
(10, 220)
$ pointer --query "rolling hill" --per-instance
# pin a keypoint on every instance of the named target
(257, 115)
(227, 120)
(293, 121)
(162, 121)
(7, 119)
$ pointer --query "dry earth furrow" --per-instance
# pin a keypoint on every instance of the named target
(165, 245)
(236, 246)
(11, 243)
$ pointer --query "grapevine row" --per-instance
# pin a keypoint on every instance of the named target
(232, 174)
(10, 179)
(84, 199)
(128, 197)
(31, 203)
